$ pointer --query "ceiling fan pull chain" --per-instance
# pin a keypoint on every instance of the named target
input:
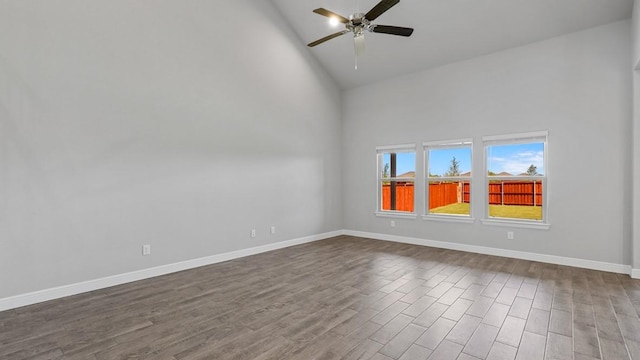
(358, 46)
(355, 46)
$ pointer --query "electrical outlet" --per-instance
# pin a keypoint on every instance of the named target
(253, 233)
(146, 249)
(393, 223)
(509, 235)
(273, 229)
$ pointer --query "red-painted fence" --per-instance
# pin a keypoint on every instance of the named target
(442, 194)
(404, 197)
(526, 193)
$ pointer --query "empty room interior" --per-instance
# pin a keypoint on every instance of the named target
(320, 179)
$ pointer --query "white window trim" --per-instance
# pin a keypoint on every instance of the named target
(398, 148)
(403, 148)
(449, 144)
(514, 138)
(519, 138)
(443, 145)
(516, 223)
(397, 214)
(465, 219)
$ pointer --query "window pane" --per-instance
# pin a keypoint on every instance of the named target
(516, 159)
(449, 162)
(405, 164)
(449, 197)
(403, 199)
(515, 199)
(398, 195)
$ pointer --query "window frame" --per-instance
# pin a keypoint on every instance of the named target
(380, 151)
(514, 139)
(443, 145)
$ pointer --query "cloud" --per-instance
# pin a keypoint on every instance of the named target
(518, 162)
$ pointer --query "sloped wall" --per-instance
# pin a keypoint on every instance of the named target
(167, 123)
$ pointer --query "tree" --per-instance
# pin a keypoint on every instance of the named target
(532, 170)
(491, 173)
(454, 168)
(385, 170)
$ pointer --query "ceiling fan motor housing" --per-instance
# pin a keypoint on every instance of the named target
(357, 23)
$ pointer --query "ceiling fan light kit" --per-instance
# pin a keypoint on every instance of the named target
(357, 23)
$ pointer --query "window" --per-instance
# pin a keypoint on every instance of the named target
(516, 173)
(448, 175)
(396, 180)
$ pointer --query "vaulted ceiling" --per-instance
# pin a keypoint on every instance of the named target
(445, 31)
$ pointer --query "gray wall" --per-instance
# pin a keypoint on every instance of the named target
(124, 123)
(575, 86)
(636, 31)
(636, 136)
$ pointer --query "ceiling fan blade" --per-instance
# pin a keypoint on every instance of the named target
(393, 30)
(327, 38)
(380, 9)
(331, 14)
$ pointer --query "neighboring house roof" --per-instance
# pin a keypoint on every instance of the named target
(408, 174)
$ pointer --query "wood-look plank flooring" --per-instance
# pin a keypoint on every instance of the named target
(342, 298)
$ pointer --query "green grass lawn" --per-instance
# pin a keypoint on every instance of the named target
(455, 209)
(505, 211)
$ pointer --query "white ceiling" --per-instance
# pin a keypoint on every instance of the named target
(446, 31)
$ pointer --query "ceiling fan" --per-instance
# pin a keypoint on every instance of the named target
(357, 23)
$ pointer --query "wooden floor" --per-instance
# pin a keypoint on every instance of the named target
(342, 298)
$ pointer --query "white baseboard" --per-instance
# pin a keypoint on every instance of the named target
(552, 259)
(96, 284)
(635, 273)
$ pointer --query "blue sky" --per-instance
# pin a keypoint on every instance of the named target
(514, 159)
(440, 160)
(405, 162)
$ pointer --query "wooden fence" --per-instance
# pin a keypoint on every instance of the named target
(404, 197)
(442, 194)
(527, 193)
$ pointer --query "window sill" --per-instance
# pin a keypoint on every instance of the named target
(516, 224)
(389, 214)
(449, 218)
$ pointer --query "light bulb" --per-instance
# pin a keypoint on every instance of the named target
(333, 21)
